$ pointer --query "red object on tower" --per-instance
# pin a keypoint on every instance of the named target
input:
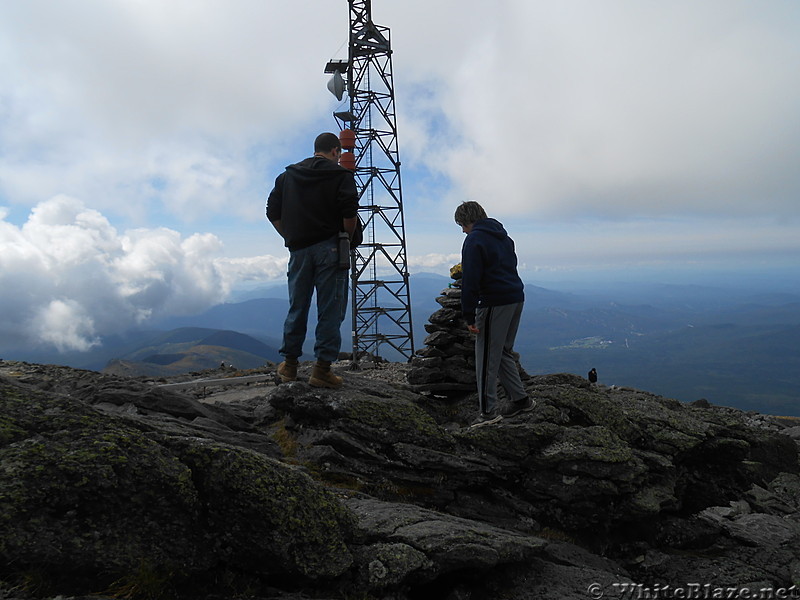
(348, 160)
(348, 139)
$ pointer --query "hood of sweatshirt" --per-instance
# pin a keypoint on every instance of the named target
(316, 167)
(490, 226)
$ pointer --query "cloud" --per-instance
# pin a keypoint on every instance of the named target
(433, 260)
(236, 271)
(613, 110)
(75, 277)
(150, 107)
(65, 325)
(558, 110)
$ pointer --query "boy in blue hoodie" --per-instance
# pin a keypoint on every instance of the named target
(492, 296)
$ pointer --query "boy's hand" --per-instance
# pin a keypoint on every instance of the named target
(473, 329)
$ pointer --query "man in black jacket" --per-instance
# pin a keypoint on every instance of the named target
(492, 296)
(313, 201)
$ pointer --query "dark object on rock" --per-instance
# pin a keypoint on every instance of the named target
(593, 375)
(700, 403)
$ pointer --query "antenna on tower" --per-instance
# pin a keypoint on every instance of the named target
(381, 302)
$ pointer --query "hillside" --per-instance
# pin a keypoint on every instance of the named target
(192, 349)
(747, 357)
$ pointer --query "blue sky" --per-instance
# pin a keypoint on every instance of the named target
(139, 139)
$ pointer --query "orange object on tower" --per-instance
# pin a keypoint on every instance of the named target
(348, 160)
(348, 139)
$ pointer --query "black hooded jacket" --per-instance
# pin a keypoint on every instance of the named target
(489, 264)
(310, 199)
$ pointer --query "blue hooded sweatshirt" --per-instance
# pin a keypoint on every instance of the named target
(489, 266)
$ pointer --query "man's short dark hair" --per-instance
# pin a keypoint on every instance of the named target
(468, 213)
(326, 142)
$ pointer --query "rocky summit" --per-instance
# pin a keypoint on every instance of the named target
(223, 484)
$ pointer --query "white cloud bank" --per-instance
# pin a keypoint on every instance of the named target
(69, 277)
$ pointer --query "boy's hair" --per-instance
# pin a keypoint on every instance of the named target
(326, 142)
(469, 212)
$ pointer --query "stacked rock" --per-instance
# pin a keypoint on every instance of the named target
(446, 364)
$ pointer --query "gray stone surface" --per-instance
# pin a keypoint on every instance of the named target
(376, 491)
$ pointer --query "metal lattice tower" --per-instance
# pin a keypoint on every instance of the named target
(381, 302)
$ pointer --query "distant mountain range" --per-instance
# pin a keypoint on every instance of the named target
(730, 348)
(733, 346)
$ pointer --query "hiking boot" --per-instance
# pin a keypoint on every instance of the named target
(486, 419)
(287, 370)
(518, 407)
(322, 376)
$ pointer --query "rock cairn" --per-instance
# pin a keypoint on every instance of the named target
(446, 364)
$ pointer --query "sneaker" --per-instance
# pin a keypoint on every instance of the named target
(486, 419)
(287, 370)
(322, 376)
(519, 407)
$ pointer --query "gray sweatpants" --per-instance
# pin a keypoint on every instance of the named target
(494, 359)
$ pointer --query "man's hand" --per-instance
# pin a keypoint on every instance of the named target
(349, 225)
(473, 329)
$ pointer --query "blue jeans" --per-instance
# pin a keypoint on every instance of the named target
(316, 268)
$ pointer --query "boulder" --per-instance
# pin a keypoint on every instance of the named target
(94, 497)
(410, 543)
(586, 460)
